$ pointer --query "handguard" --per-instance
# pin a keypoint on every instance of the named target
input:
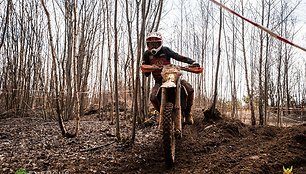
(149, 68)
(193, 69)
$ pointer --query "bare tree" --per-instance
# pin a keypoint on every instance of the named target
(75, 67)
(103, 19)
(266, 70)
(116, 69)
(204, 45)
(54, 74)
(130, 47)
(8, 7)
(250, 95)
(110, 62)
(261, 94)
(213, 105)
(140, 39)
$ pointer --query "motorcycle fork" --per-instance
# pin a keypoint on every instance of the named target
(177, 116)
(163, 101)
(178, 109)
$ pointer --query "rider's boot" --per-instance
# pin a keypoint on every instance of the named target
(188, 116)
(155, 104)
(189, 119)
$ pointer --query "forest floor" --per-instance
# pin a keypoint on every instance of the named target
(224, 146)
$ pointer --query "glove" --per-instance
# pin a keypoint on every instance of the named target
(194, 64)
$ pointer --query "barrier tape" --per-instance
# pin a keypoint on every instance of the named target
(259, 26)
(8, 90)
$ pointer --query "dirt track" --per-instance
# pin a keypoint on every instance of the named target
(225, 146)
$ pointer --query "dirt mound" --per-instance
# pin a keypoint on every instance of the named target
(233, 147)
(225, 146)
(219, 146)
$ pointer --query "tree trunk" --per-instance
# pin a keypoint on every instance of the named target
(54, 73)
(261, 92)
(115, 73)
(139, 43)
(250, 95)
(213, 106)
(110, 65)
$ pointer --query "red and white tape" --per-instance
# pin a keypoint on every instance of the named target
(259, 26)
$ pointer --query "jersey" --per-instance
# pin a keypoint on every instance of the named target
(162, 57)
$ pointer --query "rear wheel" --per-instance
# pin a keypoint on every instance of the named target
(168, 135)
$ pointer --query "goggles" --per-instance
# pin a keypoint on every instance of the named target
(152, 45)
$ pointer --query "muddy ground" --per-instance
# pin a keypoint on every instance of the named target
(224, 146)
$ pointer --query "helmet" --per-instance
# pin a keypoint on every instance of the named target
(154, 42)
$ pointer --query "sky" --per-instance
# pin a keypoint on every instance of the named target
(301, 22)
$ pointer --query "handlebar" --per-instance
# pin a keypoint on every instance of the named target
(193, 69)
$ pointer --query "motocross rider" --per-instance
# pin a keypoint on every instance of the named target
(157, 54)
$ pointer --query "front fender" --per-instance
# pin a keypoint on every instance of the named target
(168, 84)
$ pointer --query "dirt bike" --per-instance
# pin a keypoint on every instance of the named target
(173, 99)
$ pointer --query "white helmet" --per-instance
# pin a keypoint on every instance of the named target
(154, 42)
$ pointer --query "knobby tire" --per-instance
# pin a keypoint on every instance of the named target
(168, 135)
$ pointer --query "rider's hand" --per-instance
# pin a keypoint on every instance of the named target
(194, 64)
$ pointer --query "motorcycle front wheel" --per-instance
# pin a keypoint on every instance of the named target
(168, 135)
